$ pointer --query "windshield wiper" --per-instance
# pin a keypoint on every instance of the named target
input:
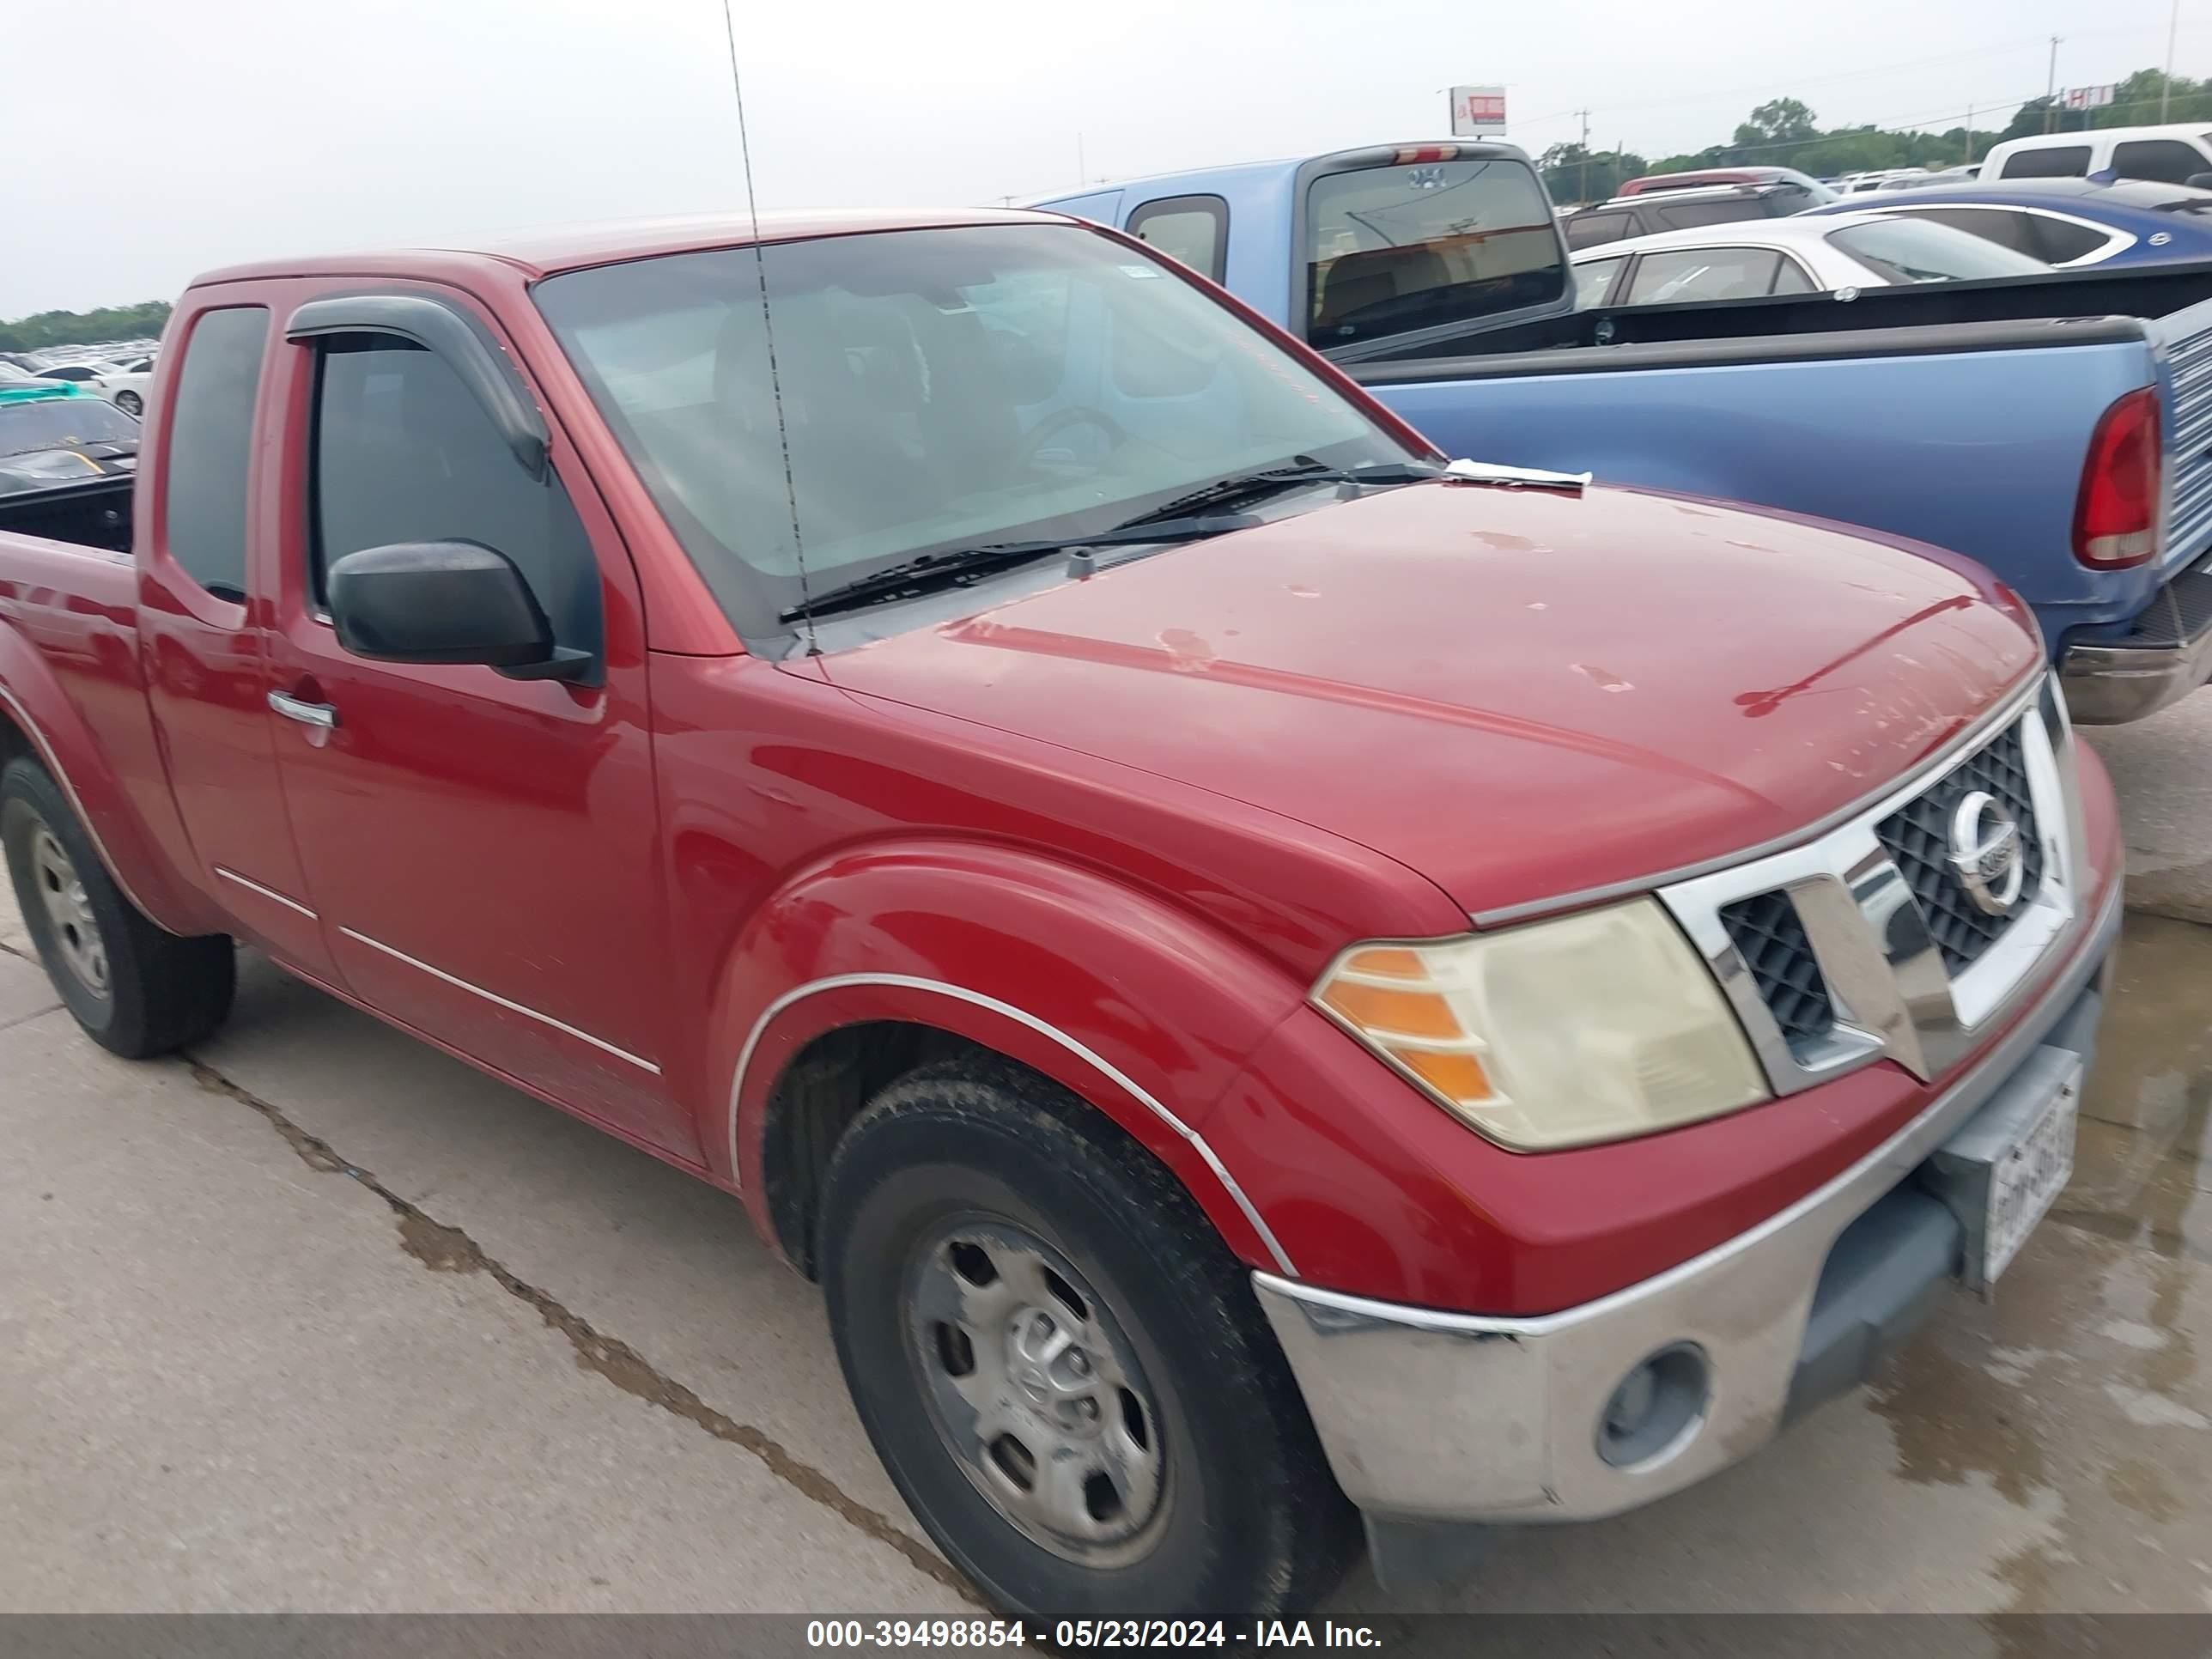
(1253, 486)
(958, 566)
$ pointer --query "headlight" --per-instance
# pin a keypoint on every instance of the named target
(1593, 1027)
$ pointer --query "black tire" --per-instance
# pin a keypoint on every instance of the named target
(1250, 1524)
(161, 991)
(131, 403)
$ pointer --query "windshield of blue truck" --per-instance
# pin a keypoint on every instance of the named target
(936, 389)
(1392, 249)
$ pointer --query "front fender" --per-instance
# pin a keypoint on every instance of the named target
(1129, 1003)
(91, 772)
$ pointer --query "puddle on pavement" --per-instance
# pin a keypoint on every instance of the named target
(2141, 1165)
(2078, 1391)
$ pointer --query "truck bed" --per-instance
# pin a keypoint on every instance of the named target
(1802, 325)
(1956, 414)
(95, 513)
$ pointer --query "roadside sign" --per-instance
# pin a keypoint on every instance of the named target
(2091, 97)
(1477, 110)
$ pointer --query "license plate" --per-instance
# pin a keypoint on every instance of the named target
(2026, 1180)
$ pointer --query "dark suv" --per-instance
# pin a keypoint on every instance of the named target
(1680, 209)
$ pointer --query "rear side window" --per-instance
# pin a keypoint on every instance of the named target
(1914, 251)
(2168, 161)
(1689, 216)
(1193, 229)
(1591, 280)
(210, 443)
(1705, 273)
(2061, 240)
(2049, 161)
(2002, 225)
(1392, 249)
(403, 454)
(1793, 278)
(1595, 229)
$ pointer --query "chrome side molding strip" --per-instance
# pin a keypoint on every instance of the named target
(492, 996)
(266, 892)
(1097, 1062)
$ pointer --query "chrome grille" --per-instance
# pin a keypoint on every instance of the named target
(1918, 836)
(1858, 944)
(2189, 366)
(1766, 931)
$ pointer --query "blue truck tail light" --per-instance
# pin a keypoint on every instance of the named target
(2115, 516)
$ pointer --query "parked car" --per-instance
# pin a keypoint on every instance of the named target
(126, 384)
(56, 434)
(1816, 191)
(1855, 184)
(1821, 254)
(2175, 154)
(74, 374)
(1858, 412)
(1626, 216)
(1116, 890)
(2067, 223)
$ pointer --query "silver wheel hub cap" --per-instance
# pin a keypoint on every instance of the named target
(69, 912)
(1034, 1388)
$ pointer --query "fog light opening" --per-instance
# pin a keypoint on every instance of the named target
(1657, 1408)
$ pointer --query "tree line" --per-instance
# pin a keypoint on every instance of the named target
(53, 328)
(1783, 133)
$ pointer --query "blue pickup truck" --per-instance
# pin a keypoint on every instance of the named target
(2056, 429)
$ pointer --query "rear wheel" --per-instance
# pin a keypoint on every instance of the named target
(1061, 1367)
(134, 988)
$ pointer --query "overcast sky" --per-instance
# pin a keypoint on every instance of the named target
(149, 139)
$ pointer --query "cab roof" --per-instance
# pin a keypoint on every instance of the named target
(541, 252)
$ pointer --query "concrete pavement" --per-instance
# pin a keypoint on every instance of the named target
(322, 1319)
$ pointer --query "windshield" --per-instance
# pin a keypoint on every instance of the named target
(940, 389)
(63, 421)
(1920, 251)
(1396, 248)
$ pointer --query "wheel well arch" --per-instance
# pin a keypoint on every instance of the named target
(13, 739)
(819, 1092)
(814, 1100)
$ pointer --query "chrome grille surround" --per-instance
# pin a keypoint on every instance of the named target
(1893, 997)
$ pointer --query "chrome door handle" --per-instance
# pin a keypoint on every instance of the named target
(321, 714)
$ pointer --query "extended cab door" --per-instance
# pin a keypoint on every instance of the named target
(202, 634)
(483, 849)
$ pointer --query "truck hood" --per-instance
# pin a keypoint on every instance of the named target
(1519, 694)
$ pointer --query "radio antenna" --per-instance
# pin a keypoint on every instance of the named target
(768, 331)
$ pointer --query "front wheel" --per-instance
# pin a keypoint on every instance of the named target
(1061, 1367)
(129, 402)
(134, 989)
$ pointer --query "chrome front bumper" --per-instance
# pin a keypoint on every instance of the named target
(1447, 1417)
(2166, 655)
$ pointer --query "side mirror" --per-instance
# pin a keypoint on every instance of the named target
(2199, 181)
(445, 602)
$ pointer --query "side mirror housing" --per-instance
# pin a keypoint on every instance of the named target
(2200, 181)
(445, 602)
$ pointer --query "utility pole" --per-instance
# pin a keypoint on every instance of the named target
(2050, 95)
(1582, 190)
(2166, 88)
(1969, 161)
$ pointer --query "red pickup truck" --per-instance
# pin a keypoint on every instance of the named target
(1269, 979)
